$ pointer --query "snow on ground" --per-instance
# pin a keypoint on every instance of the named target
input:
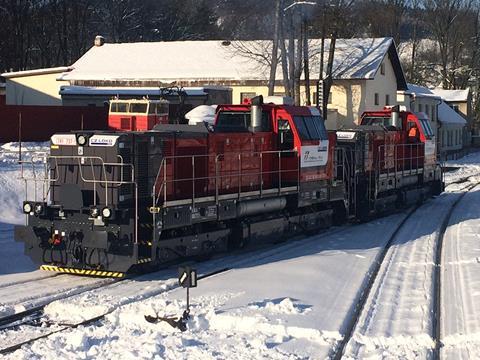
(467, 166)
(461, 281)
(398, 323)
(291, 303)
(13, 189)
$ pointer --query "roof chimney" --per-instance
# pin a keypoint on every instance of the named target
(99, 40)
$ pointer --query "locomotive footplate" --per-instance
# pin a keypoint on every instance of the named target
(89, 272)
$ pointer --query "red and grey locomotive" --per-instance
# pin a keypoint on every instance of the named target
(120, 199)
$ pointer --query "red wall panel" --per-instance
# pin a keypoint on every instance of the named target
(40, 122)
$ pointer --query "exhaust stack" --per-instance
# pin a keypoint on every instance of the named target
(396, 120)
(256, 114)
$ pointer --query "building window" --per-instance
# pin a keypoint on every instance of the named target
(427, 110)
(377, 102)
(382, 68)
(434, 113)
(387, 100)
(246, 95)
(420, 108)
(456, 108)
(330, 97)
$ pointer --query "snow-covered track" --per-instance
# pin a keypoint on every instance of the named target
(398, 314)
(359, 307)
(59, 327)
(438, 284)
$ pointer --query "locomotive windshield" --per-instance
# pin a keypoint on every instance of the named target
(377, 121)
(427, 129)
(138, 108)
(239, 121)
(310, 127)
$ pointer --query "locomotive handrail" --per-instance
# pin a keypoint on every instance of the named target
(396, 160)
(162, 190)
(82, 161)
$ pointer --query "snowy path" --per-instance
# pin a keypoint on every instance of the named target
(397, 320)
(460, 312)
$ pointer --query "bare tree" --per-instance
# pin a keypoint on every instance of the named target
(445, 20)
(274, 57)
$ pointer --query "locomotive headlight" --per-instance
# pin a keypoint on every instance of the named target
(106, 213)
(27, 208)
(94, 212)
(38, 209)
(81, 140)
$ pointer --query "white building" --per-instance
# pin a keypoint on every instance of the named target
(34, 87)
(367, 72)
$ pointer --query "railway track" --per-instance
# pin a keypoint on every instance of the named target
(437, 313)
(56, 327)
(35, 317)
(359, 310)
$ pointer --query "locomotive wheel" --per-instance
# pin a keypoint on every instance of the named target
(339, 216)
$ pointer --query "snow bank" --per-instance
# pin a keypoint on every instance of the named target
(467, 166)
(13, 188)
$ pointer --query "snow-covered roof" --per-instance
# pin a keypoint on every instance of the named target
(132, 91)
(446, 114)
(213, 60)
(418, 90)
(452, 95)
(54, 70)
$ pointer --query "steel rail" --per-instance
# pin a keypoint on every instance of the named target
(337, 352)
(437, 275)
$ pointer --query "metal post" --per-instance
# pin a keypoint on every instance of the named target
(165, 186)
(261, 174)
(239, 174)
(216, 179)
(193, 182)
(188, 300)
(19, 136)
(279, 172)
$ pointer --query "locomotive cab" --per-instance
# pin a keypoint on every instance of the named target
(391, 160)
(137, 114)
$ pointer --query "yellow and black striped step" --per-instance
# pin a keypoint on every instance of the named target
(82, 271)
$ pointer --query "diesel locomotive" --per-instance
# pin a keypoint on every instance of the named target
(137, 196)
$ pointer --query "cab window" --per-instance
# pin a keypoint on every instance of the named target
(119, 107)
(285, 135)
(152, 108)
(239, 121)
(310, 128)
(427, 129)
(138, 108)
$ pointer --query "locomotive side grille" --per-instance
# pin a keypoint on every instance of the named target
(141, 169)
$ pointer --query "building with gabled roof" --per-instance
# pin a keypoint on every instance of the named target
(367, 72)
(34, 87)
(461, 102)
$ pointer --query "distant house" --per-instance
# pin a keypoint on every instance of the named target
(367, 72)
(34, 87)
(461, 102)
(449, 126)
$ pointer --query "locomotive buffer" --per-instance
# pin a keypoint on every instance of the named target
(187, 278)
